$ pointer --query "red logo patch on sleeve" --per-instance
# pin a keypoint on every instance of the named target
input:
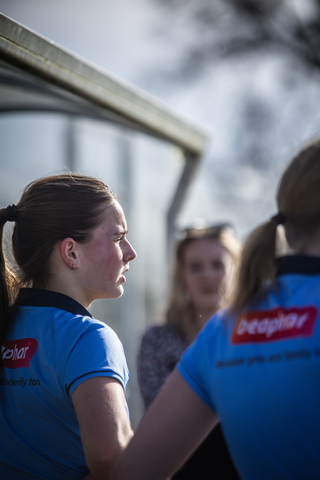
(18, 353)
(272, 325)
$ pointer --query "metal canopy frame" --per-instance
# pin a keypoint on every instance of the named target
(37, 74)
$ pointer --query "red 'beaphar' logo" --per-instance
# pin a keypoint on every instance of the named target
(272, 325)
(18, 353)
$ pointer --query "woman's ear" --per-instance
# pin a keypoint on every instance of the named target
(68, 250)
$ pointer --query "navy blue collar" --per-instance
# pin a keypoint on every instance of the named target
(305, 264)
(37, 297)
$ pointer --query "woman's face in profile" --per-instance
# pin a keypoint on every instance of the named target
(207, 274)
(105, 258)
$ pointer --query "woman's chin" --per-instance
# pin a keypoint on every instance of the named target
(119, 292)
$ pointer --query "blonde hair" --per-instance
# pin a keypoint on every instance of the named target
(180, 312)
(298, 200)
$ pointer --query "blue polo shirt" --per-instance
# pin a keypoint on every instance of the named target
(53, 346)
(260, 372)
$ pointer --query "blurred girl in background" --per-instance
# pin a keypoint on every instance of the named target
(205, 260)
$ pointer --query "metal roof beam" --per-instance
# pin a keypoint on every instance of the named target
(36, 54)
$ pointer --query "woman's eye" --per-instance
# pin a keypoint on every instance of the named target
(217, 265)
(194, 267)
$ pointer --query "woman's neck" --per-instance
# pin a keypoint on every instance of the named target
(307, 244)
(201, 318)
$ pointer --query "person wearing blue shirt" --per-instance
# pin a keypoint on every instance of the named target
(255, 366)
(63, 374)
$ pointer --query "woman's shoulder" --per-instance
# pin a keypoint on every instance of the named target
(161, 331)
(162, 336)
(161, 345)
(86, 330)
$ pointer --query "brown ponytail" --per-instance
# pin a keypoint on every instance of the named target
(8, 282)
(258, 265)
(298, 200)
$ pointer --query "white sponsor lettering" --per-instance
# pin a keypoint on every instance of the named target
(269, 326)
(14, 353)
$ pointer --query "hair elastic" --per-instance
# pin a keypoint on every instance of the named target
(12, 213)
(279, 218)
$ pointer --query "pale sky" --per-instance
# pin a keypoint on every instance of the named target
(115, 35)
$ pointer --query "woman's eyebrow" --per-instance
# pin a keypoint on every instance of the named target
(120, 231)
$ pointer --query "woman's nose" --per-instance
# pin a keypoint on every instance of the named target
(131, 254)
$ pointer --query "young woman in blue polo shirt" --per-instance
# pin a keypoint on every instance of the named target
(63, 373)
